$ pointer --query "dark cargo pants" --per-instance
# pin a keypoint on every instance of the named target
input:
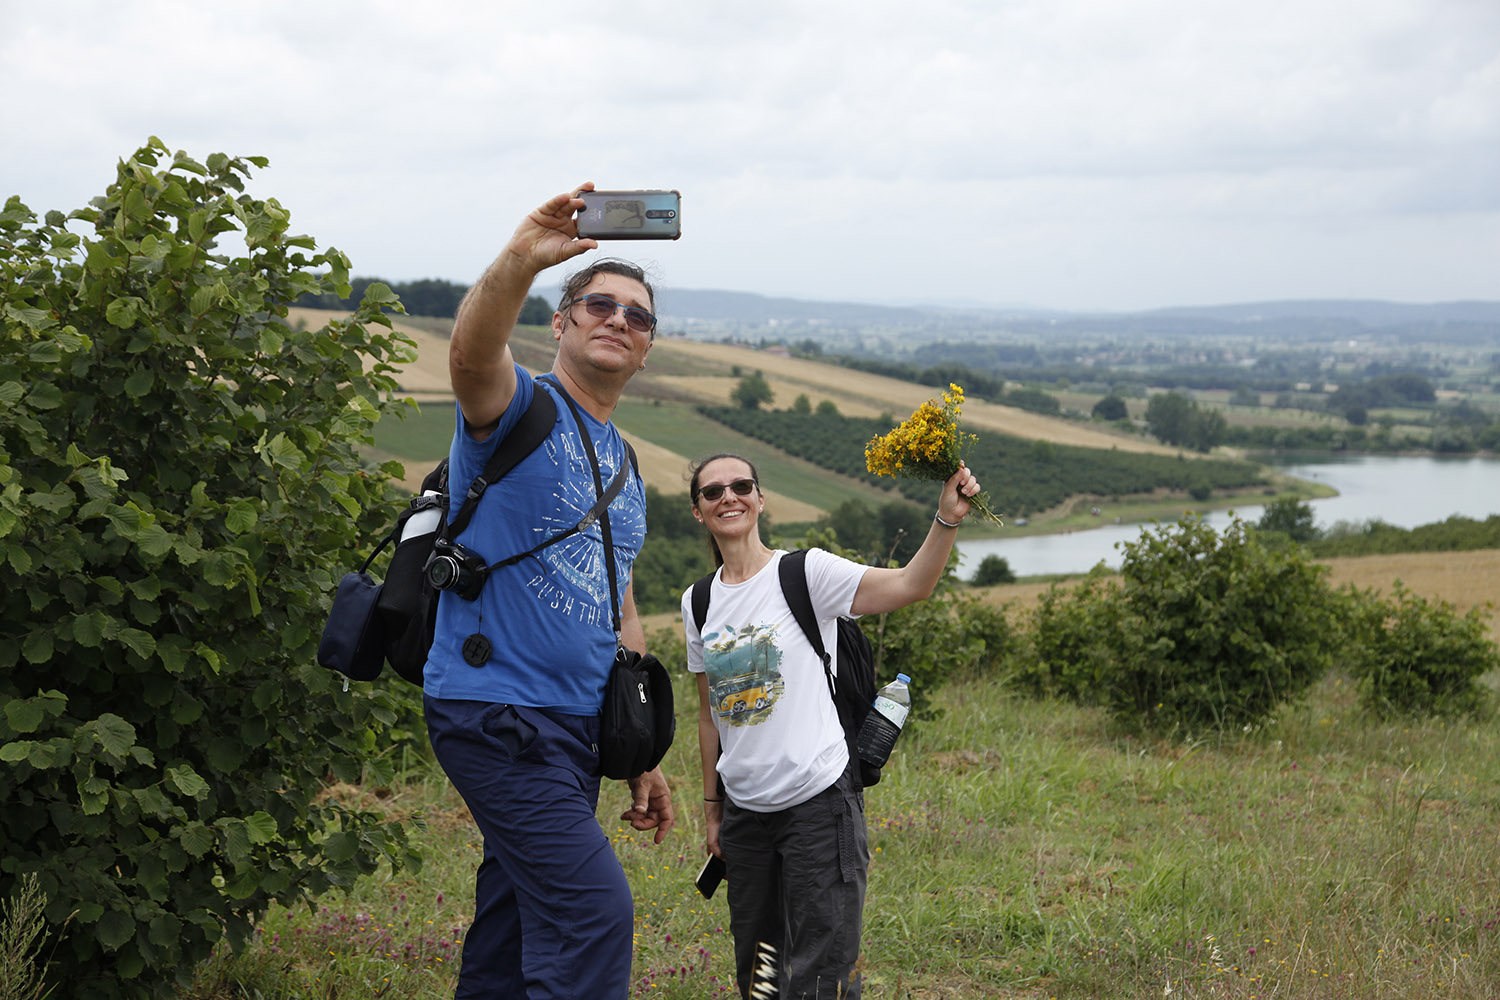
(797, 882)
(553, 915)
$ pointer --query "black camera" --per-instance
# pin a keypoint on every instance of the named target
(453, 567)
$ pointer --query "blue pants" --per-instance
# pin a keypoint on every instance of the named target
(553, 915)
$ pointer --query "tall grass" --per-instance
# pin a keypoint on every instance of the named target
(1025, 849)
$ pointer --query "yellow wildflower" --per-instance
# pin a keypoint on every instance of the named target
(928, 445)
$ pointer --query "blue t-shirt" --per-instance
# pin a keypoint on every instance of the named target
(548, 617)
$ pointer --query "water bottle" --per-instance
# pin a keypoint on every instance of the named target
(877, 734)
(424, 521)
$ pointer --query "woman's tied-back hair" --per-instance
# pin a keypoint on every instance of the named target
(697, 471)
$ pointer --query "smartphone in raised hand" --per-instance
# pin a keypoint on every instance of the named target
(630, 215)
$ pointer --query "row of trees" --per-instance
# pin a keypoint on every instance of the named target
(1175, 418)
(423, 297)
(1038, 474)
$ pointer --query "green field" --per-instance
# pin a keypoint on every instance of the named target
(423, 437)
(1027, 849)
(682, 429)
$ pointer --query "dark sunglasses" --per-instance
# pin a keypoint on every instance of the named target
(741, 487)
(603, 307)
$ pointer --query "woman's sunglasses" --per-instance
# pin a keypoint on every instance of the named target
(741, 487)
(603, 307)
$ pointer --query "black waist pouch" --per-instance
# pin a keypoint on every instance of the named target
(637, 723)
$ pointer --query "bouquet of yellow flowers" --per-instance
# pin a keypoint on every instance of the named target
(927, 445)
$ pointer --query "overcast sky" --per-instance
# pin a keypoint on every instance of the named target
(1071, 154)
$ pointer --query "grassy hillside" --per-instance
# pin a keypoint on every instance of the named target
(657, 413)
(1029, 849)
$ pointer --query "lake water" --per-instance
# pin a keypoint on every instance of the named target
(1403, 491)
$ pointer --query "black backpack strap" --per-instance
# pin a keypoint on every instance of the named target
(700, 601)
(793, 572)
(529, 432)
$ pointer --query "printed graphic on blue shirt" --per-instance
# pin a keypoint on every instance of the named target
(575, 567)
(744, 673)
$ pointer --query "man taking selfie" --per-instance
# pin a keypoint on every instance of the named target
(515, 677)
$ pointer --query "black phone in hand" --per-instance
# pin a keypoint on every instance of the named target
(709, 878)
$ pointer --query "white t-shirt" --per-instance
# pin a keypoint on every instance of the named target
(778, 728)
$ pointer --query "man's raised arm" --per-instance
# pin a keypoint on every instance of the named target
(480, 364)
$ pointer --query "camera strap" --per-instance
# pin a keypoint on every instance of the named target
(602, 507)
(598, 512)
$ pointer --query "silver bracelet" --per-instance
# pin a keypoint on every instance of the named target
(947, 524)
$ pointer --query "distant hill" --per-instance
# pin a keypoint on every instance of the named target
(1369, 312)
(688, 306)
(708, 312)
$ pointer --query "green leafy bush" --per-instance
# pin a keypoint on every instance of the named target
(1203, 631)
(949, 635)
(180, 490)
(1221, 629)
(1073, 642)
(1412, 656)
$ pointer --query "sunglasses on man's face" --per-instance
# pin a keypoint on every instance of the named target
(603, 307)
(741, 487)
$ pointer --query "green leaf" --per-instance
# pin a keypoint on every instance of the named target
(379, 294)
(165, 930)
(88, 628)
(44, 396)
(44, 352)
(218, 568)
(197, 839)
(202, 300)
(280, 451)
(267, 693)
(261, 827)
(139, 383)
(172, 651)
(236, 839)
(24, 715)
(116, 735)
(123, 312)
(19, 750)
(114, 929)
(10, 393)
(33, 319)
(340, 846)
(187, 781)
(18, 557)
(241, 517)
(244, 883)
(153, 540)
(140, 642)
(186, 709)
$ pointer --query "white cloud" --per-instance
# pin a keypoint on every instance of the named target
(1073, 153)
